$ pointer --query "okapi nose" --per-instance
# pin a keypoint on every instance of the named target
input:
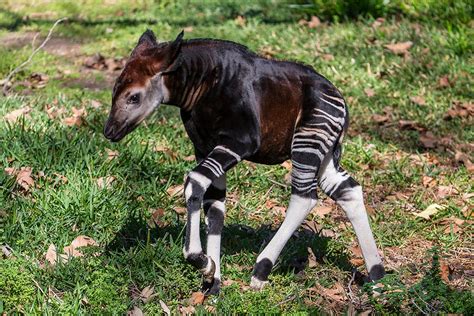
(109, 130)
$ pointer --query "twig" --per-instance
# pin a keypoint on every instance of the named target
(6, 250)
(6, 81)
(278, 183)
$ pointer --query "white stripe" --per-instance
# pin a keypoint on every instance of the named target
(217, 164)
(334, 98)
(203, 181)
(333, 105)
(230, 152)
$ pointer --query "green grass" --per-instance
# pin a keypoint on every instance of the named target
(390, 163)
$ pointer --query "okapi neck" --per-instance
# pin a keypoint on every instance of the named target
(192, 80)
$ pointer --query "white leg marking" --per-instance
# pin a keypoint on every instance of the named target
(297, 211)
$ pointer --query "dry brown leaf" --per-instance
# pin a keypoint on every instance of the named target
(418, 100)
(407, 124)
(24, 179)
(444, 272)
(321, 210)
(53, 111)
(379, 119)
(429, 182)
(327, 57)
(10, 171)
(77, 117)
(51, 255)
(165, 308)
(286, 164)
(15, 114)
(461, 110)
(369, 92)
(78, 242)
(311, 258)
(156, 215)
(105, 182)
(462, 157)
(136, 311)
(444, 82)
(429, 211)
(96, 104)
(314, 22)
(197, 298)
(445, 191)
(175, 190)
(240, 21)
(378, 22)
(336, 293)
(111, 154)
(180, 210)
(399, 48)
(147, 294)
(189, 158)
(187, 310)
(428, 140)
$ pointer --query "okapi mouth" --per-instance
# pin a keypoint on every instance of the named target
(113, 134)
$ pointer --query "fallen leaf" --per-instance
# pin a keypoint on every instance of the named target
(10, 171)
(379, 119)
(314, 22)
(413, 125)
(105, 182)
(462, 157)
(111, 154)
(418, 100)
(445, 191)
(240, 21)
(136, 311)
(78, 242)
(51, 255)
(428, 140)
(429, 211)
(327, 233)
(399, 48)
(96, 104)
(311, 258)
(228, 282)
(147, 294)
(165, 308)
(156, 215)
(460, 109)
(444, 82)
(187, 310)
(197, 298)
(189, 158)
(369, 92)
(180, 210)
(286, 164)
(24, 179)
(378, 22)
(15, 114)
(175, 190)
(327, 57)
(321, 210)
(444, 272)
(76, 118)
(429, 182)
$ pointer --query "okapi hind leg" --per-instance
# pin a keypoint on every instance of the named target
(319, 130)
(214, 210)
(342, 188)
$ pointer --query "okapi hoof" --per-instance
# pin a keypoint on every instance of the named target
(257, 284)
(208, 271)
(211, 288)
(376, 272)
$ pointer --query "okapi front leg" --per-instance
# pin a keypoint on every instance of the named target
(214, 209)
(199, 180)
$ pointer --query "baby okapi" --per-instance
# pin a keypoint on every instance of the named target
(237, 105)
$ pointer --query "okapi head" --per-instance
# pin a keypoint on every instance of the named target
(140, 87)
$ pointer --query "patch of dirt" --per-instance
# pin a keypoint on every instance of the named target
(59, 46)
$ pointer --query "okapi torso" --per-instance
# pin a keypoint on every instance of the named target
(237, 105)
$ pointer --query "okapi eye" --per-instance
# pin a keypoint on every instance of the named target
(134, 99)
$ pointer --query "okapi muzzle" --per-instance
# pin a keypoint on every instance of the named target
(236, 105)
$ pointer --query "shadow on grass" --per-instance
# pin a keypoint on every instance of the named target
(236, 239)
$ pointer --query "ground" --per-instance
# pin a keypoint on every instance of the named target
(408, 83)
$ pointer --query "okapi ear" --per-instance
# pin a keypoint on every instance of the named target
(174, 50)
(147, 40)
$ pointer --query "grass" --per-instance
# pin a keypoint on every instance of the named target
(389, 161)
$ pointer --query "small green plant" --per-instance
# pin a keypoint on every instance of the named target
(16, 285)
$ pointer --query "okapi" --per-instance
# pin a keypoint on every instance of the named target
(237, 105)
